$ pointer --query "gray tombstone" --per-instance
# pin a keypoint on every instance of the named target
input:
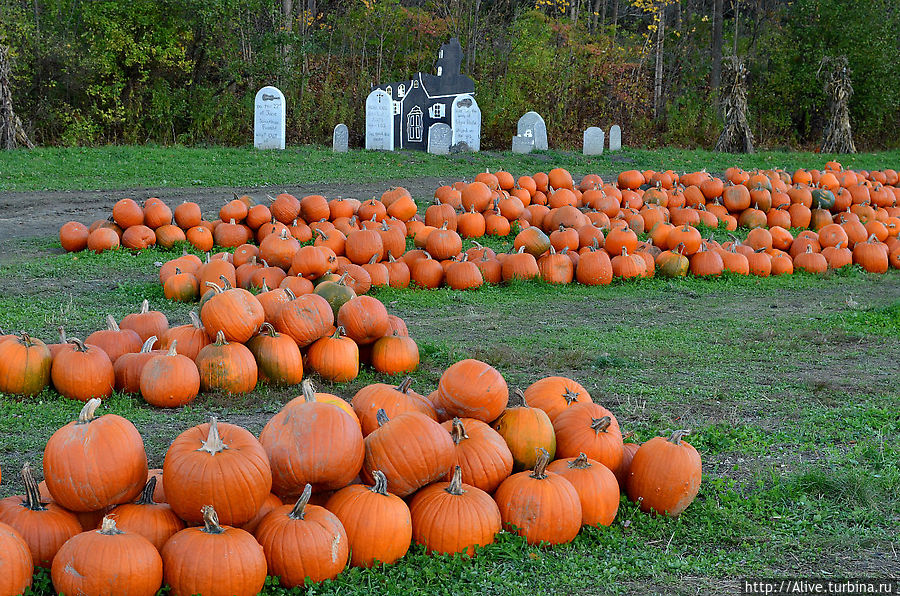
(593, 141)
(465, 120)
(615, 138)
(379, 121)
(439, 138)
(532, 123)
(523, 144)
(340, 139)
(269, 119)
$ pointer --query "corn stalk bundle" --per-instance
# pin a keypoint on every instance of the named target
(11, 132)
(736, 137)
(838, 136)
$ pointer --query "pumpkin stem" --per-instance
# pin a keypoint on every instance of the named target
(147, 494)
(111, 324)
(290, 294)
(267, 328)
(148, 345)
(678, 435)
(195, 320)
(540, 465)
(177, 271)
(226, 285)
(374, 259)
(344, 276)
(108, 526)
(297, 512)
(211, 521)
(32, 493)
(172, 351)
(570, 396)
(87, 412)
(458, 432)
(581, 462)
(339, 332)
(220, 338)
(405, 385)
(213, 443)
(382, 417)
(26, 339)
(216, 287)
(62, 334)
(145, 307)
(309, 390)
(628, 435)
(455, 487)
(380, 483)
(264, 287)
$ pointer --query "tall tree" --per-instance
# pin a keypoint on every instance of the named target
(715, 75)
(658, 75)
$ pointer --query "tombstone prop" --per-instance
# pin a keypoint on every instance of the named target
(379, 122)
(532, 125)
(615, 138)
(522, 144)
(465, 121)
(439, 139)
(426, 99)
(340, 138)
(269, 119)
(593, 141)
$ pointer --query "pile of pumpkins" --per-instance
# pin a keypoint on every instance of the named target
(329, 484)
(237, 340)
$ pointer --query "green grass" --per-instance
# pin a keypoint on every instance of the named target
(125, 167)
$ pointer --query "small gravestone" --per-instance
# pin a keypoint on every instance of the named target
(593, 141)
(269, 119)
(379, 121)
(465, 120)
(615, 138)
(532, 125)
(439, 139)
(522, 144)
(340, 139)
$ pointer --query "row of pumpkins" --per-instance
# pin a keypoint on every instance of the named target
(237, 340)
(329, 483)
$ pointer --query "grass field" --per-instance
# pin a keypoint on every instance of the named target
(128, 167)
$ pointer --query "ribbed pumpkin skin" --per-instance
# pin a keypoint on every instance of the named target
(526, 430)
(378, 526)
(628, 451)
(45, 527)
(228, 564)
(555, 394)
(235, 480)
(312, 442)
(305, 319)
(271, 503)
(95, 463)
(483, 455)
(447, 523)
(170, 380)
(228, 367)
(542, 510)
(365, 319)
(315, 547)
(277, 357)
(393, 400)
(574, 435)
(154, 521)
(115, 341)
(236, 312)
(471, 389)
(190, 339)
(84, 374)
(596, 486)
(101, 564)
(665, 475)
(412, 450)
(24, 366)
(15, 561)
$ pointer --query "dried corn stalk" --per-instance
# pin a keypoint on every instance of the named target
(11, 132)
(736, 137)
(838, 136)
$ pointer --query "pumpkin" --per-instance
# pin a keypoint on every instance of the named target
(312, 442)
(182, 287)
(146, 323)
(554, 394)
(393, 400)
(871, 255)
(594, 268)
(138, 237)
(277, 356)
(145, 517)
(73, 236)
(395, 354)
(93, 463)
(335, 357)
(303, 541)
(228, 367)
(822, 198)
(128, 367)
(378, 523)
(115, 341)
(664, 475)
(364, 318)
(25, 365)
(15, 562)
(813, 262)
(305, 319)
(596, 485)
(102, 239)
(44, 527)
(471, 389)
(214, 560)
(233, 311)
(411, 449)
(539, 505)
(481, 452)
(526, 430)
(452, 517)
(707, 263)
(271, 503)
(222, 465)
(170, 380)
(190, 338)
